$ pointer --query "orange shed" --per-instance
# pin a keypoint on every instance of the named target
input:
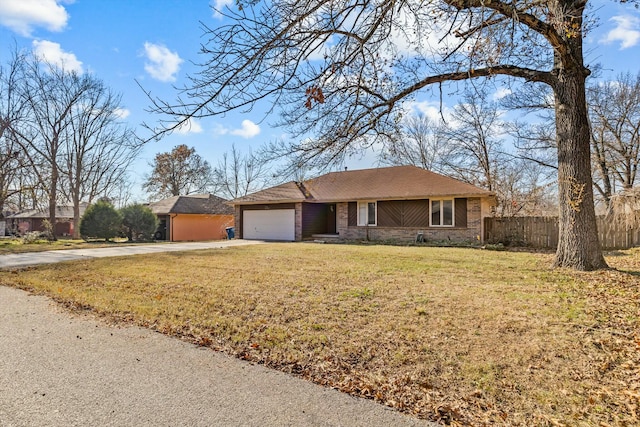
(193, 217)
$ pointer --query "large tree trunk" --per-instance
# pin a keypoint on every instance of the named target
(53, 192)
(76, 218)
(578, 245)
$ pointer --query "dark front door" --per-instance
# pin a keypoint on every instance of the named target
(331, 219)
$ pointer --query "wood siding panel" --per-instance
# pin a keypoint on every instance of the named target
(390, 213)
(461, 213)
(403, 213)
(353, 214)
(415, 213)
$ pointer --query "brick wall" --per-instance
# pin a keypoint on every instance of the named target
(238, 222)
(473, 231)
(298, 231)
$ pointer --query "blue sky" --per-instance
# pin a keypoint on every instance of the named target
(154, 42)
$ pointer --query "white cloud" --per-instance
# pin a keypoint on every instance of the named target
(121, 113)
(432, 110)
(219, 5)
(52, 53)
(163, 64)
(22, 16)
(247, 130)
(627, 31)
(501, 93)
(190, 126)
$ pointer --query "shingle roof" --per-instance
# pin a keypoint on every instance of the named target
(390, 183)
(192, 204)
(287, 192)
(62, 212)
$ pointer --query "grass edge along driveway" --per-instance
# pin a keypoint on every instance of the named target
(460, 336)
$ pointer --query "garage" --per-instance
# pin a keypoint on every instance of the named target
(272, 224)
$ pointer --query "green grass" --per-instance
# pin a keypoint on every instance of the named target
(464, 336)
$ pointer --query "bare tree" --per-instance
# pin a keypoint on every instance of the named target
(476, 149)
(614, 114)
(475, 134)
(238, 174)
(99, 149)
(468, 146)
(422, 142)
(12, 108)
(624, 208)
(341, 71)
(50, 94)
(71, 145)
(614, 110)
(524, 188)
(535, 136)
(179, 172)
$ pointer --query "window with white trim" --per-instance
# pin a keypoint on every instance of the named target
(367, 213)
(441, 214)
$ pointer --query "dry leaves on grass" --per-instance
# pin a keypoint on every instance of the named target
(465, 337)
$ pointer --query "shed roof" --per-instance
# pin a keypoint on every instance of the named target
(389, 183)
(192, 204)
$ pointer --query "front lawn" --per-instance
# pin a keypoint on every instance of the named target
(463, 336)
(11, 245)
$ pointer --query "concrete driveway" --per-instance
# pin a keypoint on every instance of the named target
(64, 369)
(50, 257)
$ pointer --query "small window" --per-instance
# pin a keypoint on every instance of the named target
(367, 213)
(442, 213)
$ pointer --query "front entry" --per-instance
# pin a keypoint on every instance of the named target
(331, 218)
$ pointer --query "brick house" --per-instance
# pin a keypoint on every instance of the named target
(33, 220)
(392, 203)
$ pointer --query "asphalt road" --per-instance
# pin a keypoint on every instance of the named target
(63, 369)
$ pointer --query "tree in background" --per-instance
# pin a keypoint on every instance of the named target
(50, 95)
(238, 174)
(101, 221)
(422, 142)
(178, 173)
(99, 148)
(12, 109)
(614, 115)
(350, 96)
(614, 110)
(139, 222)
(72, 146)
(474, 137)
(467, 145)
(524, 188)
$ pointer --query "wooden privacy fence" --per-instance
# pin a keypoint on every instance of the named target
(542, 232)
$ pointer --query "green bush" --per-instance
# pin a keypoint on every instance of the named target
(100, 221)
(139, 222)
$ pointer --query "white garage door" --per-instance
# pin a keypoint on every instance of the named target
(274, 224)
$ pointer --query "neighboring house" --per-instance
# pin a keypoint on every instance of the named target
(193, 217)
(33, 220)
(393, 203)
